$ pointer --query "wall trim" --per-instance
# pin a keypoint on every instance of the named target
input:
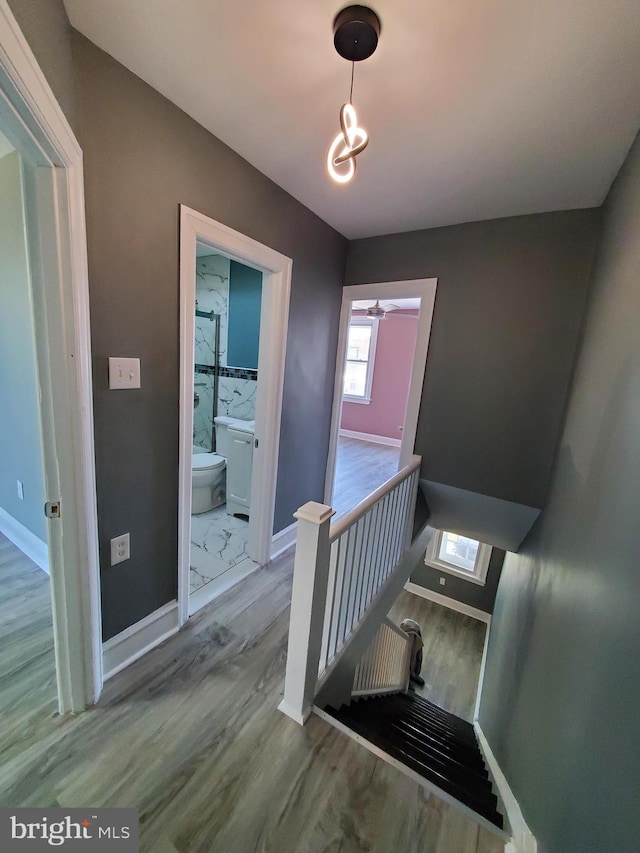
(36, 125)
(374, 439)
(274, 318)
(283, 540)
(30, 544)
(135, 641)
(522, 839)
(451, 603)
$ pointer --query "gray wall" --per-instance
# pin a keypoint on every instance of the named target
(460, 589)
(143, 157)
(20, 431)
(46, 27)
(561, 695)
(509, 304)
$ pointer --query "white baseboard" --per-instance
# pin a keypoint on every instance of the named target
(522, 839)
(483, 666)
(374, 439)
(135, 641)
(283, 540)
(30, 544)
(451, 603)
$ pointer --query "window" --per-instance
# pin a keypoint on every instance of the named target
(361, 353)
(459, 555)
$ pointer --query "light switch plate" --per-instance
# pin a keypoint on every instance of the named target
(20, 489)
(442, 581)
(124, 373)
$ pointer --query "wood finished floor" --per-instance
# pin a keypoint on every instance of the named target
(361, 466)
(452, 653)
(190, 735)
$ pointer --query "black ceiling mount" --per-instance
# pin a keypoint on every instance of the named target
(356, 31)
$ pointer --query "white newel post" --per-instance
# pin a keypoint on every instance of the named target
(308, 602)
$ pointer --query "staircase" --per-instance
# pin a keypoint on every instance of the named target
(434, 744)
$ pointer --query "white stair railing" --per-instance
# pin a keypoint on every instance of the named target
(340, 572)
(385, 666)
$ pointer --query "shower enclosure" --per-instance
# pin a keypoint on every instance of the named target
(205, 384)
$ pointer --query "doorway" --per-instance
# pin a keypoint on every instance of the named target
(226, 382)
(35, 126)
(243, 432)
(380, 364)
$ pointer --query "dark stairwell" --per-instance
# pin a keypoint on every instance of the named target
(438, 746)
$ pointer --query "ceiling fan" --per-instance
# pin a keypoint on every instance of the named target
(379, 312)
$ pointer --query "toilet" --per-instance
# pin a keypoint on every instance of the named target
(207, 481)
(209, 470)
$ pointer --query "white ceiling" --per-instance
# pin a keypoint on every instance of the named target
(475, 108)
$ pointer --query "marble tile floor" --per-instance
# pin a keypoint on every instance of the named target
(218, 546)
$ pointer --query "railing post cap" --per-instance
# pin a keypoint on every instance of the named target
(314, 512)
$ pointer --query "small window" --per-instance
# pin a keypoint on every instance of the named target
(361, 353)
(459, 555)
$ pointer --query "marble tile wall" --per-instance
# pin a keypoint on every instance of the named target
(203, 413)
(237, 388)
(212, 294)
(237, 397)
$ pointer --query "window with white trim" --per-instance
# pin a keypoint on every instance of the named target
(359, 365)
(459, 555)
(361, 353)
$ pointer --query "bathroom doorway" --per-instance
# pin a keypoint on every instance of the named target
(234, 298)
(226, 381)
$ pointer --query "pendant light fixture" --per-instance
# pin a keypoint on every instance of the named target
(356, 30)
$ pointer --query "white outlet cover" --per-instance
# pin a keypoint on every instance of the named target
(442, 581)
(120, 549)
(124, 373)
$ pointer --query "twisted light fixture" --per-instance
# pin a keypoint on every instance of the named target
(356, 30)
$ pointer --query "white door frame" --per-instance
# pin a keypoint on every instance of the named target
(423, 288)
(276, 286)
(34, 122)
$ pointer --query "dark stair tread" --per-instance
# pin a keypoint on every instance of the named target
(434, 743)
(387, 723)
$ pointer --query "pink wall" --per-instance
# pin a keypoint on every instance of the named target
(392, 374)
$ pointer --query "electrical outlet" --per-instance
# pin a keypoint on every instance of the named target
(120, 550)
(124, 373)
(20, 489)
(442, 581)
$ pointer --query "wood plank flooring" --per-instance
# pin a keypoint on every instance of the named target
(361, 466)
(452, 654)
(190, 735)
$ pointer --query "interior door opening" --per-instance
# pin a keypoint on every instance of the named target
(381, 359)
(226, 382)
(234, 306)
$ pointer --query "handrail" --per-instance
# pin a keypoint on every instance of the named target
(340, 572)
(340, 525)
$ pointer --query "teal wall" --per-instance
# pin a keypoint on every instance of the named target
(561, 692)
(20, 431)
(245, 295)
